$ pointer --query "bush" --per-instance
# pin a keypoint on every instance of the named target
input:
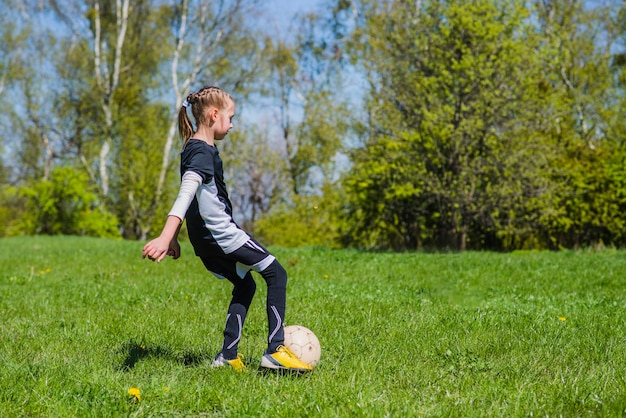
(306, 221)
(11, 210)
(66, 204)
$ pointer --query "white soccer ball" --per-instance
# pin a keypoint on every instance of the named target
(303, 343)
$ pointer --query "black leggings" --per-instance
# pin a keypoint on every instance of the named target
(244, 289)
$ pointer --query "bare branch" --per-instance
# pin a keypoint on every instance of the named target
(122, 24)
(169, 141)
(180, 42)
(96, 46)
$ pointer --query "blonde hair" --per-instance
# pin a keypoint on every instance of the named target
(205, 97)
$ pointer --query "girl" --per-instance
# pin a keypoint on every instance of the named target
(225, 249)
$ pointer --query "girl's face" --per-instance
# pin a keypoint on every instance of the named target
(224, 121)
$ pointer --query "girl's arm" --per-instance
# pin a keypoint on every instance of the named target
(167, 242)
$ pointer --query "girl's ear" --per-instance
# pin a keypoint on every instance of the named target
(213, 114)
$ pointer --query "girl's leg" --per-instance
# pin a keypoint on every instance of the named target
(243, 292)
(277, 356)
(252, 256)
(244, 288)
(276, 278)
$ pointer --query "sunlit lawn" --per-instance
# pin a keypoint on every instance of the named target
(473, 334)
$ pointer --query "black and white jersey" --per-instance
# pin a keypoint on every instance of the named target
(210, 223)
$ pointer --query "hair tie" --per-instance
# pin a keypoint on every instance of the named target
(185, 104)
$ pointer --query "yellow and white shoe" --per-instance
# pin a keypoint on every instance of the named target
(284, 359)
(236, 363)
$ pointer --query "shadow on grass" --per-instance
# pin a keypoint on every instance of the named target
(134, 352)
(284, 373)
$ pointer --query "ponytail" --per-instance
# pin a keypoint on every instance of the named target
(185, 130)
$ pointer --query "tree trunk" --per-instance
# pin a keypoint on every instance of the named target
(108, 82)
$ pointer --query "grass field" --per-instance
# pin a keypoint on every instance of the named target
(472, 334)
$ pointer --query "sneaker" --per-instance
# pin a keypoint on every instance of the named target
(284, 359)
(236, 363)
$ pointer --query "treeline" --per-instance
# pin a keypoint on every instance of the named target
(374, 124)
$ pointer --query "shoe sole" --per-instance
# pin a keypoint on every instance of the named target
(223, 363)
(271, 364)
(228, 366)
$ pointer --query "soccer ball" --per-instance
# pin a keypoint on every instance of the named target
(303, 343)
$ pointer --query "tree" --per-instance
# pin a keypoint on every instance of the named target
(255, 172)
(313, 116)
(116, 74)
(487, 125)
(310, 117)
(206, 33)
(107, 65)
(451, 94)
(209, 43)
(23, 48)
(585, 131)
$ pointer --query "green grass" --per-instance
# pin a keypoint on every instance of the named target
(472, 334)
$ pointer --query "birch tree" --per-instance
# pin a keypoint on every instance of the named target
(108, 76)
(140, 51)
(210, 43)
(203, 33)
(106, 31)
(23, 77)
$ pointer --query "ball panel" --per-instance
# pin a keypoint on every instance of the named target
(303, 343)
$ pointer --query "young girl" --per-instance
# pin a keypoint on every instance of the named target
(225, 249)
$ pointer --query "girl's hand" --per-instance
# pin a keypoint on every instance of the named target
(158, 248)
(166, 243)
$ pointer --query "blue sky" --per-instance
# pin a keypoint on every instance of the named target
(281, 13)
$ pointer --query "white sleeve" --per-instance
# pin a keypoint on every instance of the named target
(188, 187)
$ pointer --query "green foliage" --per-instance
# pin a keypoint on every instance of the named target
(451, 83)
(485, 124)
(403, 335)
(485, 129)
(584, 127)
(384, 206)
(314, 115)
(65, 204)
(307, 221)
(137, 165)
(101, 98)
(11, 210)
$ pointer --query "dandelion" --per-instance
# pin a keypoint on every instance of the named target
(166, 388)
(135, 394)
(561, 318)
(326, 276)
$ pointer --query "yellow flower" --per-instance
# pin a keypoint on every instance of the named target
(561, 318)
(166, 388)
(135, 393)
(326, 276)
